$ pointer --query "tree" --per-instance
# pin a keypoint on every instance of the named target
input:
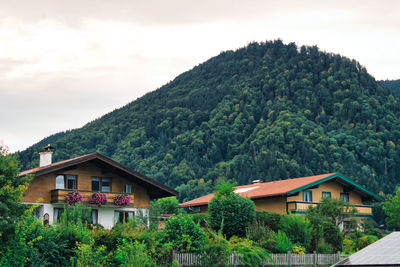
(326, 218)
(12, 189)
(392, 210)
(168, 205)
(230, 212)
(335, 211)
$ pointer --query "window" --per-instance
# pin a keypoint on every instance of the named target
(106, 185)
(326, 195)
(94, 217)
(123, 216)
(344, 197)
(128, 188)
(57, 214)
(65, 181)
(95, 184)
(101, 184)
(307, 196)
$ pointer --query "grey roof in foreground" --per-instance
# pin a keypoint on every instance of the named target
(384, 252)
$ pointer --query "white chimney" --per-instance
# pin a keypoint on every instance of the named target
(45, 157)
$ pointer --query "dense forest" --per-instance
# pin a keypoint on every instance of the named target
(265, 111)
(392, 85)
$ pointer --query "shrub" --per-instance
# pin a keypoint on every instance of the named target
(253, 255)
(283, 243)
(216, 251)
(230, 212)
(269, 219)
(324, 248)
(366, 240)
(133, 254)
(122, 200)
(87, 255)
(98, 199)
(201, 219)
(256, 231)
(348, 246)
(168, 205)
(298, 229)
(184, 234)
(298, 250)
(73, 197)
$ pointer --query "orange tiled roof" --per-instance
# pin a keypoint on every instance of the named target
(269, 189)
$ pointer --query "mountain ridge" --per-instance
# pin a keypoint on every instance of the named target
(265, 111)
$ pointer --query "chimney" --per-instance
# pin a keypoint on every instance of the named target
(45, 157)
(257, 181)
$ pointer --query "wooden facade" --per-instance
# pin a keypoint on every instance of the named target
(85, 169)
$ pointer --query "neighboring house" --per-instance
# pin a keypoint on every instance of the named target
(296, 195)
(89, 174)
(384, 252)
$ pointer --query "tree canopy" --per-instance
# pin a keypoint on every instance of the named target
(265, 111)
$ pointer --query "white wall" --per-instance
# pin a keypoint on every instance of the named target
(105, 214)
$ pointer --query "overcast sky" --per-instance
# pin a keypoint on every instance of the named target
(65, 63)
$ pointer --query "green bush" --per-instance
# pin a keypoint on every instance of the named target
(282, 242)
(201, 219)
(366, 240)
(256, 232)
(133, 254)
(324, 247)
(298, 229)
(253, 255)
(216, 250)
(184, 234)
(230, 212)
(349, 246)
(269, 219)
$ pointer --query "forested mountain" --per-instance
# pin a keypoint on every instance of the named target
(392, 85)
(266, 111)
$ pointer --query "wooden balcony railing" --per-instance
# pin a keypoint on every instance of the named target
(58, 196)
(302, 206)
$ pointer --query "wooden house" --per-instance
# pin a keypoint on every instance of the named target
(87, 175)
(296, 195)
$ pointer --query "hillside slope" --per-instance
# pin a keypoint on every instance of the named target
(266, 111)
(392, 85)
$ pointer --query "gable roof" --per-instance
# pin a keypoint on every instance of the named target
(287, 187)
(155, 189)
(384, 252)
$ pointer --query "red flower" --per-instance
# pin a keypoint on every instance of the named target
(73, 197)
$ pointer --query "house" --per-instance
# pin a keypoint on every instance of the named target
(384, 252)
(296, 195)
(89, 174)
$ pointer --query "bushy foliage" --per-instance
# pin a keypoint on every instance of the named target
(298, 229)
(12, 189)
(230, 212)
(216, 251)
(202, 219)
(252, 255)
(392, 210)
(168, 205)
(184, 234)
(269, 219)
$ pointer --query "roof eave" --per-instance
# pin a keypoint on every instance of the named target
(330, 177)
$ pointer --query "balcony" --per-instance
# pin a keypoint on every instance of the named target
(58, 196)
(300, 207)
